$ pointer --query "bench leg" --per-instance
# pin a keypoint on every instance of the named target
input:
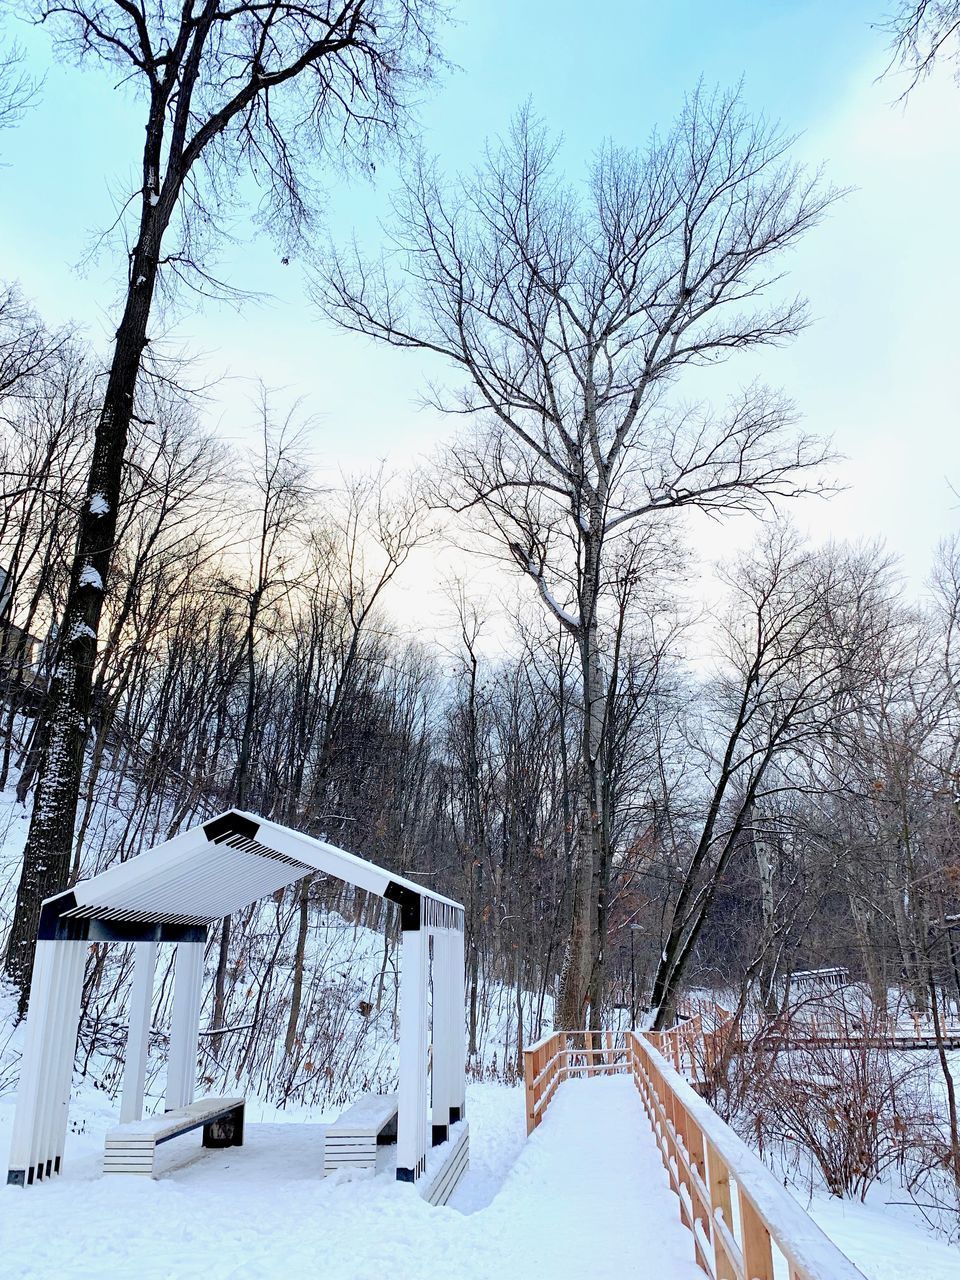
(225, 1132)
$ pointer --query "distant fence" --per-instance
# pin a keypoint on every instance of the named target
(830, 1030)
(743, 1222)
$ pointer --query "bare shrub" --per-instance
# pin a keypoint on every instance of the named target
(833, 1089)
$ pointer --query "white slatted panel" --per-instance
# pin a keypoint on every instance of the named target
(184, 1025)
(412, 1095)
(191, 878)
(40, 1123)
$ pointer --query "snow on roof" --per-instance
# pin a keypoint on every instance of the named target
(224, 865)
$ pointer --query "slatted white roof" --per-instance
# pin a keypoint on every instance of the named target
(224, 865)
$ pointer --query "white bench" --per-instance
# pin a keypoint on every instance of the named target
(131, 1148)
(439, 1184)
(352, 1140)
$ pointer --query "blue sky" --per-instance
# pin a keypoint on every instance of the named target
(877, 370)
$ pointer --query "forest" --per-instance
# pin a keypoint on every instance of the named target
(653, 779)
(779, 771)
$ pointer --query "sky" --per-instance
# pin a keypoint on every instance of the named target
(877, 370)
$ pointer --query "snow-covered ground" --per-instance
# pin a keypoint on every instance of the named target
(577, 1199)
(585, 1194)
(884, 1245)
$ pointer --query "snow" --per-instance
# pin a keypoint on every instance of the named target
(99, 506)
(370, 1111)
(565, 616)
(90, 578)
(584, 1193)
(587, 1191)
(585, 1196)
(883, 1246)
(573, 1200)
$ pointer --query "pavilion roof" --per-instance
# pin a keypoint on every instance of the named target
(224, 865)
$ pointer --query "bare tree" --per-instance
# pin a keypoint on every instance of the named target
(229, 91)
(372, 531)
(27, 349)
(922, 34)
(799, 650)
(571, 317)
(17, 89)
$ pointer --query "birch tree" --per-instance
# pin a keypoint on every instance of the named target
(234, 97)
(570, 315)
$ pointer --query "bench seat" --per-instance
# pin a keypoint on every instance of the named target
(132, 1147)
(351, 1141)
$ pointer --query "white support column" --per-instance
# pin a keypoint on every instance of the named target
(458, 1029)
(69, 991)
(443, 1082)
(138, 1031)
(184, 1025)
(46, 1069)
(412, 1094)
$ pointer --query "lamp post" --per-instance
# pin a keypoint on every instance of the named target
(633, 979)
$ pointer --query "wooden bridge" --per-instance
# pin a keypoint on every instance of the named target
(707, 1026)
(743, 1224)
(828, 1031)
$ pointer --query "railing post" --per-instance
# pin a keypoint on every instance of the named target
(681, 1127)
(757, 1251)
(700, 1206)
(721, 1204)
(529, 1058)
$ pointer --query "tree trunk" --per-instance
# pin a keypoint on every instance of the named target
(947, 1080)
(583, 952)
(47, 855)
(220, 986)
(296, 995)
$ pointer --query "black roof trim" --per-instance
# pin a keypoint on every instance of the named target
(409, 901)
(231, 824)
(49, 926)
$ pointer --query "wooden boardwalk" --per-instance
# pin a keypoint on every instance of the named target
(742, 1223)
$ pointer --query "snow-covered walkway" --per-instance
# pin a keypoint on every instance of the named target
(585, 1196)
(588, 1195)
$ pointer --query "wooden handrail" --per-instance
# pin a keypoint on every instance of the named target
(555, 1058)
(737, 1210)
(738, 1214)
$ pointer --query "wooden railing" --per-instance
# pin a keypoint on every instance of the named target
(739, 1214)
(831, 1029)
(696, 1044)
(740, 1217)
(558, 1056)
